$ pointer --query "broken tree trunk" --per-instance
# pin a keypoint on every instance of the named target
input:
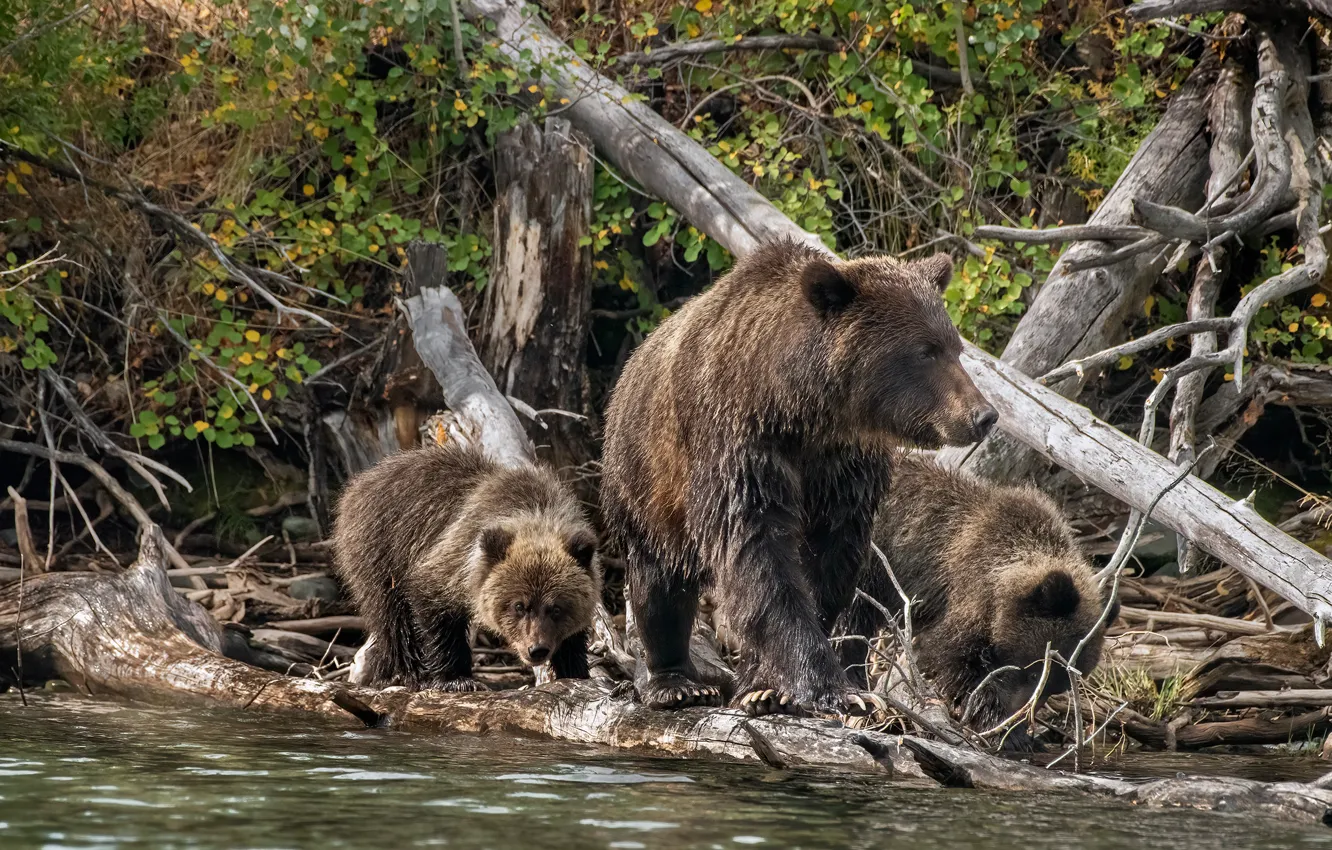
(671, 165)
(534, 336)
(131, 635)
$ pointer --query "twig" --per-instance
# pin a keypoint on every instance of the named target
(682, 50)
(458, 55)
(134, 460)
(230, 378)
(1065, 234)
(1100, 359)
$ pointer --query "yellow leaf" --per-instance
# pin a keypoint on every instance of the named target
(308, 190)
(246, 358)
(1230, 376)
(1294, 326)
(7, 345)
(1318, 300)
(850, 98)
(459, 105)
(268, 394)
(252, 336)
(1125, 362)
(220, 295)
(261, 355)
(208, 288)
(703, 6)
(282, 352)
(758, 170)
(201, 426)
(1148, 304)
(254, 387)
(533, 89)
(1157, 375)
(272, 85)
(24, 169)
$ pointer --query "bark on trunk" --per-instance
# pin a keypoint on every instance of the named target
(131, 635)
(537, 303)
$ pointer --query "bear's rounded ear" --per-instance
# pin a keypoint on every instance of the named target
(826, 287)
(1055, 598)
(938, 270)
(582, 547)
(495, 543)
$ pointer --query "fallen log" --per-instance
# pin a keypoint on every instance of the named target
(672, 166)
(1294, 697)
(129, 635)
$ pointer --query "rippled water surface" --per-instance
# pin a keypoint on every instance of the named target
(78, 772)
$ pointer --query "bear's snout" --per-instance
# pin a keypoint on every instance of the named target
(982, 421)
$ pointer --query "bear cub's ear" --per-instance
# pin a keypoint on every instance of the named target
(495, 543)
(826, 287)
(582, 547)
(938, 270)
(1055, 598)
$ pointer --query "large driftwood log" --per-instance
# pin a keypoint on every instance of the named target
(534, 335)
(131, 635)
(722, 205)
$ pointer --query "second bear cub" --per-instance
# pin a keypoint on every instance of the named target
(433, 540)
(996, 576)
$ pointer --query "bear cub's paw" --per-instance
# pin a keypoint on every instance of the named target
(672, 691)
(763, 701)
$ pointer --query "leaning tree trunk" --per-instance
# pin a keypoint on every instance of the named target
(1079, 311)
(534, 335)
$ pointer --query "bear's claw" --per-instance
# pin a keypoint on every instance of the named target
(674, 691)
(762, 701)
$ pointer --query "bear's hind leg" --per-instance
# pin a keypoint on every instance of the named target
(664, 606)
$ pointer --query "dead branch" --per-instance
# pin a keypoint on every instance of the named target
(683, 50)
(1065, 234)
(33, 563)
(1146, 10)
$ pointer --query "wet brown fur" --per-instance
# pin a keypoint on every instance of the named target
(747, 446)
(995, 573)
(433, 540)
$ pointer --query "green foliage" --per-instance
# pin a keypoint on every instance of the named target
(322, 137)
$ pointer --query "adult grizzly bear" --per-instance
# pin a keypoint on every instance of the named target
(433, 540)
(747, 446)
(995, 573)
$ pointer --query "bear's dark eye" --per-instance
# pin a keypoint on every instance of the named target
(519, 608)
(554, 612)
(927, 354)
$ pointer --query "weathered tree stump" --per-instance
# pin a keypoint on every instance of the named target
(534, 336)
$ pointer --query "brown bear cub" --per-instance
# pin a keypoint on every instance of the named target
(995, 573)
(432, 540)
(747, 447)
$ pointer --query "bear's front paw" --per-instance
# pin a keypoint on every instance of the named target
(851, 701)
(671, 691)
(763, 701)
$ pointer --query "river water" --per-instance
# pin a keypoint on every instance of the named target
(79, 772)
